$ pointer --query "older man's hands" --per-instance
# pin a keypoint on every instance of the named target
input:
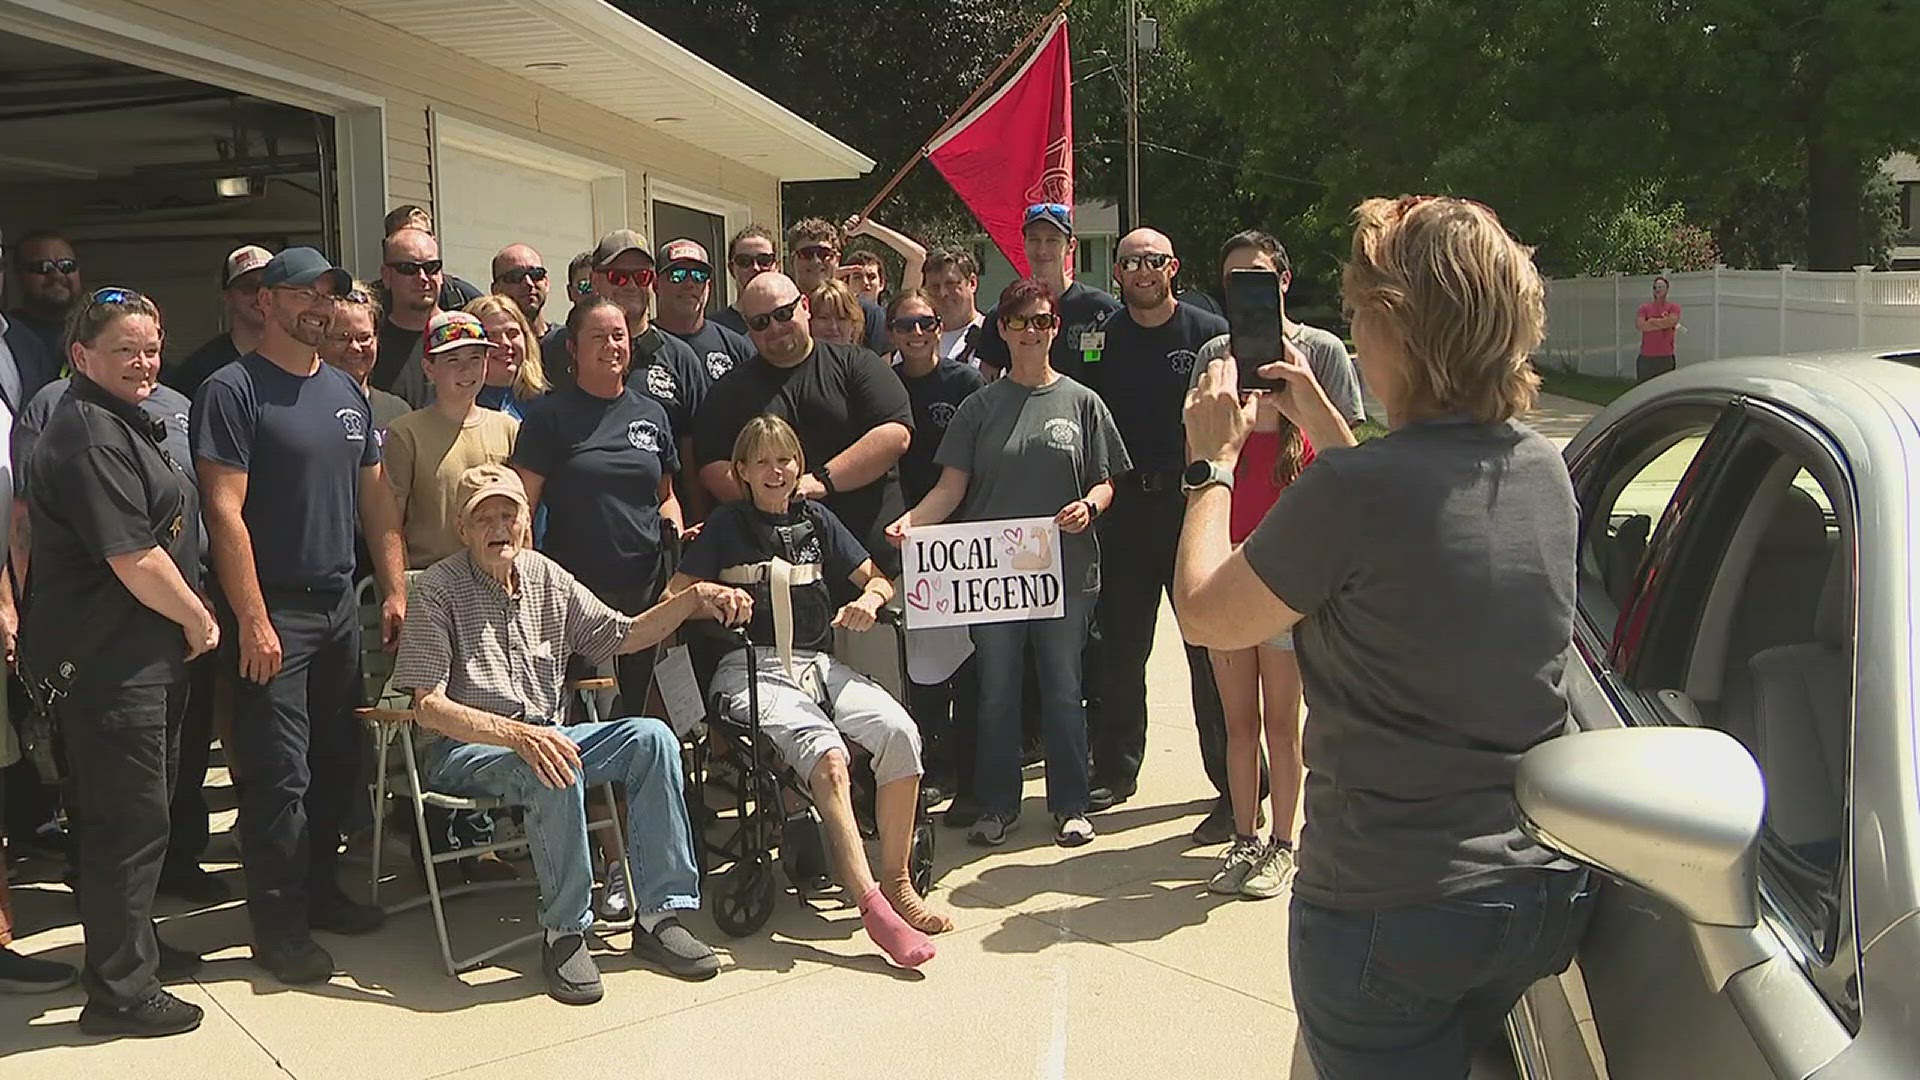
(554, 757)
(723, 604)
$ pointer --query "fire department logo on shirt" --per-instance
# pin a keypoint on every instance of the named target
(718, 364)
(940, 414)
(1062, 433)
(355, 423)
(661, 384)
(1182, 360)
(644, 436)
(183, 420)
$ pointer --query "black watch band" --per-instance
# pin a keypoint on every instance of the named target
(825, 477)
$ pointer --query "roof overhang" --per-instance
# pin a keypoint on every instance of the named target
(591, 51)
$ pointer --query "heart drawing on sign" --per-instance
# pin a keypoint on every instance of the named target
(921, 595)
(1013, 538)
(944, 606)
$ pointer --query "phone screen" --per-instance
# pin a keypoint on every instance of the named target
(1253, 314)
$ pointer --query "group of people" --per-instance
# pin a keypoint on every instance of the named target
(535, 501)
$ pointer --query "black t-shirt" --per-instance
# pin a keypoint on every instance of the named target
(731, 318)
(103, 487)
(457, 292)
(832, 398)
(397, 344)
(719, 348)
(302, 441)
(554, 360)
(877, 337)
(602, 459)
(1143, 374)
(187, 375)
(935, 396)
(808, 534)
(1082, 308)
(667, 370)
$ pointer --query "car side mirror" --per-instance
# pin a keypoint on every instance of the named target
(1676, 811)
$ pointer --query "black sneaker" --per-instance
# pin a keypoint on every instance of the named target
(572, 977)
(340, 914)
(194, 885)
(673, 946)
(959, 817)
(27, 975)
(176, 964)
(1106, 798)
(160, 1014)
(296, 962)
(989, 831)
(1217, 826)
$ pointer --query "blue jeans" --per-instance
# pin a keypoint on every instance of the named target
(638, 752)
(998, 649)
(1413, 992)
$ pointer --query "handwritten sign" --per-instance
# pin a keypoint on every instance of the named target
(982, 572)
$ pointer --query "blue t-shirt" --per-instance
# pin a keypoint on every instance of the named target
(808, 534)
(501, 399)
(935, 397)
(717, 347)
(665, 369)
(302, 441)
(602, 459)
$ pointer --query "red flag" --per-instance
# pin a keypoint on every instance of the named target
(1016, 148)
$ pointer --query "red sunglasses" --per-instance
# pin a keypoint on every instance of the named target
(620, 279)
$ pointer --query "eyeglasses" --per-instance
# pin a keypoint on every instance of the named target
(359, 338)
(763, 261)
(818, 252)
(1152, 260)
(51, 266)
(620, 279)
(680, 275)
(301, 293)
(408, 268)
(907, 324)
(1045, 320)
(784, 313)
(522, 274)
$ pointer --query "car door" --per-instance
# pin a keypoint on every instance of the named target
(1751, 535)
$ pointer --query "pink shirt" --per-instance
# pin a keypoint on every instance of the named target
(1658, 342)
(1253, 488)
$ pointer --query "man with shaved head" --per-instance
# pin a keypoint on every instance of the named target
(1146, 354)
(520, 276)
(849, 409)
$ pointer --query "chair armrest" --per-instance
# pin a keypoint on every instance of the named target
(594, 684)
(385, 716)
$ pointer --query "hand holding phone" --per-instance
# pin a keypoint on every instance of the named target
(1253, 316)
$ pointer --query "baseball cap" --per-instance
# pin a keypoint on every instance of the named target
(245, 259)
(452, 330)
(684, 251)
(485, 481)
(304, 266)
(617, 243)
(1058, 215)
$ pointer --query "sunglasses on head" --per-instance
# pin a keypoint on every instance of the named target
(620, 279)
(1152, 260)
(907, 324)
(114, 294)
(408, 268)
(783, 313)
(521, 274)
(680, 275)
(817, 252)
(763, 261)
(357, 296)
(1043, 320)
(51, 266)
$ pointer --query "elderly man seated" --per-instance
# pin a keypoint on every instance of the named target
(488, 634)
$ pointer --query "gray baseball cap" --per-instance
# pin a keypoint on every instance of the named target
(617, 243)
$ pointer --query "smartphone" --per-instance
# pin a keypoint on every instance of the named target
(1253, 314)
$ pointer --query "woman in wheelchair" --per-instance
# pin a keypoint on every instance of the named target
(788, 553)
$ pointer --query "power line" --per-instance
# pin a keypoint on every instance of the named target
(1210, 160)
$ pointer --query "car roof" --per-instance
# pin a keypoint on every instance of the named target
(1816, 385)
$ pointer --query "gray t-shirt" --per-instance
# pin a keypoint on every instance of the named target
(1326, 355)
(1029, 452)
(1435, 570)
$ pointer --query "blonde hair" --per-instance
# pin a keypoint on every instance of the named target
(531, 381)
(762, 433)
(1458, 295)
(838, 300)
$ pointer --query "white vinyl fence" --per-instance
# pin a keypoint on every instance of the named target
(1590, 321)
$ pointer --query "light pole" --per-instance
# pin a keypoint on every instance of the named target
(1133, 116)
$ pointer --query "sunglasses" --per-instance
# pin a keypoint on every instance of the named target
(680, 275)
(817, 252)
(763, 261)
(783, 313)
(583, 288)
(521, 274)
(51, 266)
(1045, 320)
(907, 324)
(1153, 260)
(358, 296)
(409, 268)
(620, 279)
(458, 331)
(115, 295)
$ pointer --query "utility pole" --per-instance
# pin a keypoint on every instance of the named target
(1133, 116)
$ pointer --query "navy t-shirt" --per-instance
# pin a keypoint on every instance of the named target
(667, 370)
(935, 396)
(739, 533)
(1082, 309)
(731, 318)
(187, 375)
(1143, 376)
(877, 337)
(302, 441)
(717, 347)
(602, 459)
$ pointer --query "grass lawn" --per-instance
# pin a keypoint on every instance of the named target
(1597, 389)
(1368, 429)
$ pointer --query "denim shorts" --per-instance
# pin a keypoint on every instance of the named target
(1282, 641)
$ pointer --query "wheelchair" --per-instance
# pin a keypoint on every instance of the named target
(768, 816)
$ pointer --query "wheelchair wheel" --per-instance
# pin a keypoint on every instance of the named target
(744, 901)
(920, 861)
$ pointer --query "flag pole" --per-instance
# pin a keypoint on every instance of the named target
(979, 92)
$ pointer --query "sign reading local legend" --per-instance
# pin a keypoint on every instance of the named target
(982, 572)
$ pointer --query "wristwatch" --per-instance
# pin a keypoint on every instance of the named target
(1200, 474)
(821, 474)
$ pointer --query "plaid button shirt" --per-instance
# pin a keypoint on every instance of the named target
(503, 653)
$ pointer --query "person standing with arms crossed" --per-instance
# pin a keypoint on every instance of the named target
(1658, 319)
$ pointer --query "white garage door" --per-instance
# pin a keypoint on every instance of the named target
(487, 203)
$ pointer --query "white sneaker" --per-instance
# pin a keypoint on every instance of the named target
(1235, 867)
(616, 900)
(1271, 873)
(1072, 831)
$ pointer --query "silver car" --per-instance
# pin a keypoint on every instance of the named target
(1747, 768)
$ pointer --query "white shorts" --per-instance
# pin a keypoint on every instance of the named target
(792, 718)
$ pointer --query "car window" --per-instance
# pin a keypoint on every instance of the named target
(1628, 507)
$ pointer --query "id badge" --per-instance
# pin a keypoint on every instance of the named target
(1092, 344)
